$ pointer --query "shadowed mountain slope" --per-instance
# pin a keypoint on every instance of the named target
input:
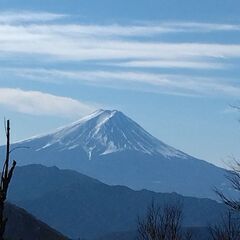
(109, 146)
(80, 206)
(22, 225)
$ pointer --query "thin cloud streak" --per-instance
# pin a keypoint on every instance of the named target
(7, 17)
(202, 27)
(83, 43)
(140, 81)
(169, 64)
(118, 46)
(143, 28)
(20, 40)
(40, 103)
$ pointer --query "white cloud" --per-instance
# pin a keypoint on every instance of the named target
(20, 40)
(138, 80)
(202, 27)
(140, 29)
(25, 16)
(33, 34)
(102, 43)
(169, 64)
(39, 103)
(230, 110)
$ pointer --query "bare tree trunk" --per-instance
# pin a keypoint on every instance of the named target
(5, 180)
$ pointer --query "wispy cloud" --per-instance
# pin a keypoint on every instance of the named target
(7, 17)
(142, 28)
(68, 46)
(118, 46)
(202, 27)
(169, 64)
(138, 80)
(230, 110)
(107, 42)
(39, 103)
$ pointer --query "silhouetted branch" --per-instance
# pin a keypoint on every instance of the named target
(162, 224)
(227, 229)
(234, 178)
(6, 177)
(16, 148)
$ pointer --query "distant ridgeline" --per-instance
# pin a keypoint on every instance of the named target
(109, 146)
(80, 206)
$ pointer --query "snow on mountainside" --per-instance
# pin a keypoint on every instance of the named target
(109, 146)
(104, 132)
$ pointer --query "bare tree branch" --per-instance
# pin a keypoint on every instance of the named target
(6, 177)
(227, 229)
(162, 224)
(234, 178)
(16, 148)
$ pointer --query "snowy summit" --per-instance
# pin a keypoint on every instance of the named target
(104, 132)
(110, 147)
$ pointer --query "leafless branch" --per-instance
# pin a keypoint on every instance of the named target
(162, 224)
(6, 177)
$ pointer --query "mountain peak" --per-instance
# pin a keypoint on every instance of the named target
(106, 114)
(104, 132)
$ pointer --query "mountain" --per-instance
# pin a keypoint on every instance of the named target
(103, 133)
(109, 146)
(80, 206)
(22, 225)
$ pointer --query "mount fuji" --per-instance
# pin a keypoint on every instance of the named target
(112, 148)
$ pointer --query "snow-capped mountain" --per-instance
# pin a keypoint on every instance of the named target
(111, 147)
(106, 132)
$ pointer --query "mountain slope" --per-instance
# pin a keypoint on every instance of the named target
(102, 133)
(21, 225)
(109, 146)
(80, 206)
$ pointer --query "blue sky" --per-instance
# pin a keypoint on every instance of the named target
(174, 68)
